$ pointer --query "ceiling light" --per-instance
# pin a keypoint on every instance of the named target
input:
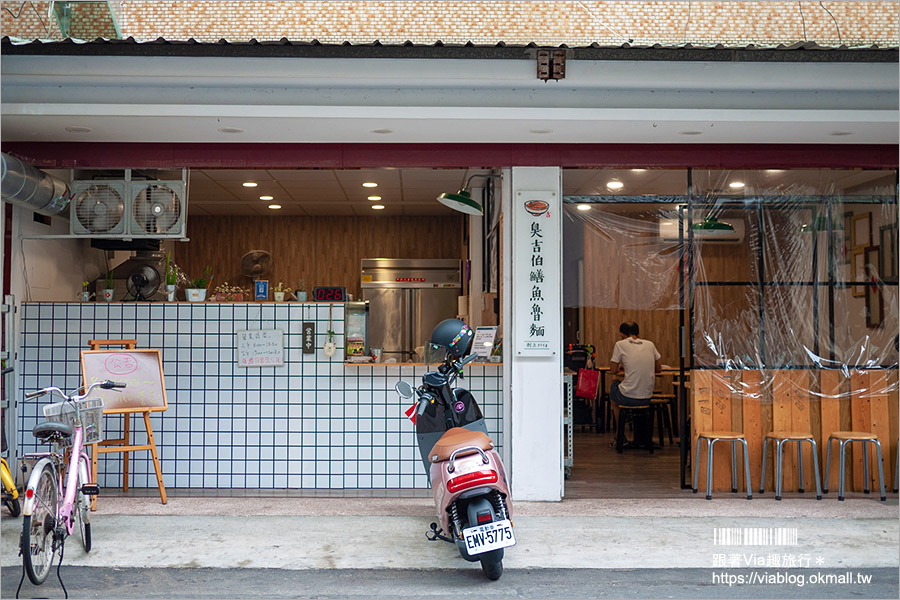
(541, 131)
(614, 184)
(583, 206)
(378, 207)
(267, 197)
(736, 185)
(374, 198)
(78, 129)
(249, 184)
(275, 206)
(638, 170)
(690, 132)
(230, 130)
(839, 133)
(370, 184)
(462, 200)
(382, 131)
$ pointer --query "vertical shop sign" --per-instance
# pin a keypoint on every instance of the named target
(536, 260)
(309, 337)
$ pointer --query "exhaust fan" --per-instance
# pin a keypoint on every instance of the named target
(157, 208)
(97, 208)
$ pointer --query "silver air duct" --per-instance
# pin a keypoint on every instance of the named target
(26, 186)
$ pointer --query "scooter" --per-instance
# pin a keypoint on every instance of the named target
(467, 477)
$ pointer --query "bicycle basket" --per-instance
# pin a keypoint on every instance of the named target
(91, 410)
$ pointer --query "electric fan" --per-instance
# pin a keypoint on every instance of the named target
(158, 209)
(255, 263)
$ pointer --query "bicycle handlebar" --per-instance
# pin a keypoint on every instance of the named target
(106, 385)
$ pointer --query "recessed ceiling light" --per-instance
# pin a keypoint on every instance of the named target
(78, 129)
(736, 184)
(267, 197)
(541, 131)
(614, 184)
(838, 133)
(583, 206)
(274, 206)
(374, 198)
(638, 170)
(230, 130)
(249, 184)
(690, 132)
(774, 171)
(370, 184)
(378, 207)
(382, 131)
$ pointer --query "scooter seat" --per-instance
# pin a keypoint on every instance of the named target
(457, 439)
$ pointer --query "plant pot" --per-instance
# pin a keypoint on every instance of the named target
(279, 296)
(108, 294)
(170, 292)
(301, 296)
(86, 296)
(195, 294)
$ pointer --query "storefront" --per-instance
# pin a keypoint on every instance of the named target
(316, 422)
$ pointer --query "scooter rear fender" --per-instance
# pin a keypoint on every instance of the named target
(440, 478)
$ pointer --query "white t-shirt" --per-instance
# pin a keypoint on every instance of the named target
(638, 357)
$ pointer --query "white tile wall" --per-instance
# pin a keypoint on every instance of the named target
(312, 423)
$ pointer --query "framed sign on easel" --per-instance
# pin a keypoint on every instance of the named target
(144, 392)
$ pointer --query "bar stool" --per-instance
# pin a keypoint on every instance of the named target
(780, 437)
(711, 438)
(661, 405)
(643, 435)
(847, 437)
(897, 467)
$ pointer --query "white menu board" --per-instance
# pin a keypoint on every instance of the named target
(260, 348)
(536, 279)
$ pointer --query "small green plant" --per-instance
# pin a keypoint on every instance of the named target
(330, 335)
(171, 278)
(203, 282)
(108, 281)
(85, 286)
(301, 285)
(282, 288)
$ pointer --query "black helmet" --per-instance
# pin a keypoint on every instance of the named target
(453, 335)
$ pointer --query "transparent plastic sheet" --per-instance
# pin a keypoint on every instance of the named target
(771, 296)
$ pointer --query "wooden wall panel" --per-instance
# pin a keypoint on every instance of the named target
(752, 424)
(701, 420)
(782, 415)
(321, 250)
(721, 417)
(891, 444)
(801, 422)
(861, 420)
(881, 426)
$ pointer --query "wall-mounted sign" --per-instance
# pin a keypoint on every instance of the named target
(260, 348)
(309, 337)
(536, 266)
(262, 289)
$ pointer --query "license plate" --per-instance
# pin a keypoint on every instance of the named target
(489, 536)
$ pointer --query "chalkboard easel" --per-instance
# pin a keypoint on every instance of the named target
(145, 392)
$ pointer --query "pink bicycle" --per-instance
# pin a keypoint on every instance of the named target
(49, 518)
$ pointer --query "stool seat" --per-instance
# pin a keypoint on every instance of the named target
(789, 435)
(853, 435)
(722, 435)
(642, 437)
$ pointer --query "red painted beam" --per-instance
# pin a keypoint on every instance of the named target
(357, 156)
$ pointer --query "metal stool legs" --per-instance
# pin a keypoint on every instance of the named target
(842, 469)
(710, 445)
(779, 470)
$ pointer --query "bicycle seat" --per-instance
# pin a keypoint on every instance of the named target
(46, 431)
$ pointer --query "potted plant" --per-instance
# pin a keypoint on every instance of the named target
(329, 347)
(171, 278)
(300, 295)
(229, 293)
(86, 294)
(279, 291)
(108, 286)
(197, 291)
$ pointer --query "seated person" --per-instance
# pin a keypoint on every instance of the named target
(639, 359)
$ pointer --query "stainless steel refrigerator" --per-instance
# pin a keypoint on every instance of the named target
(407, 298)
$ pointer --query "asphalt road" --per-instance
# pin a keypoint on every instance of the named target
(93, 582)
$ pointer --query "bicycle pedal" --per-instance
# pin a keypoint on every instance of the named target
(90, 489)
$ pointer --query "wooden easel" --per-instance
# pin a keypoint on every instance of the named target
(124, 445)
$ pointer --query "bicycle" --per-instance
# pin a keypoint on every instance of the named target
(49, 520)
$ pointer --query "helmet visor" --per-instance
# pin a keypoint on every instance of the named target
(434, 354)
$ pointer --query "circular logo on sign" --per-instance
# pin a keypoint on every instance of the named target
(459, 406)
(537, 207)
(121, 364)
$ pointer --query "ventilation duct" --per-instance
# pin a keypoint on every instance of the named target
(26, 186)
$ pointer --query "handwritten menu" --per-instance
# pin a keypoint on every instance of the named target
(260, 348)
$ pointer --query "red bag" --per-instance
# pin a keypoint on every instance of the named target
(588, 381)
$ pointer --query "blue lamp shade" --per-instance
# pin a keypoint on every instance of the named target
(461, 201)
(712, 226)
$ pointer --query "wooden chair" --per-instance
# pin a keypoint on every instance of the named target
(711, 438)
(848, 437)
(780, 438)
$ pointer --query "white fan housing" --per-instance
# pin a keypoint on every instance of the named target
(158, 209)
(98, 208)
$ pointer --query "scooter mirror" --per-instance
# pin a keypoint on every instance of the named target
(404, 389)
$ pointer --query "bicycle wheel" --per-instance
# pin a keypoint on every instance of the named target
(38, 528)
(82, 507)
(15, 509)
